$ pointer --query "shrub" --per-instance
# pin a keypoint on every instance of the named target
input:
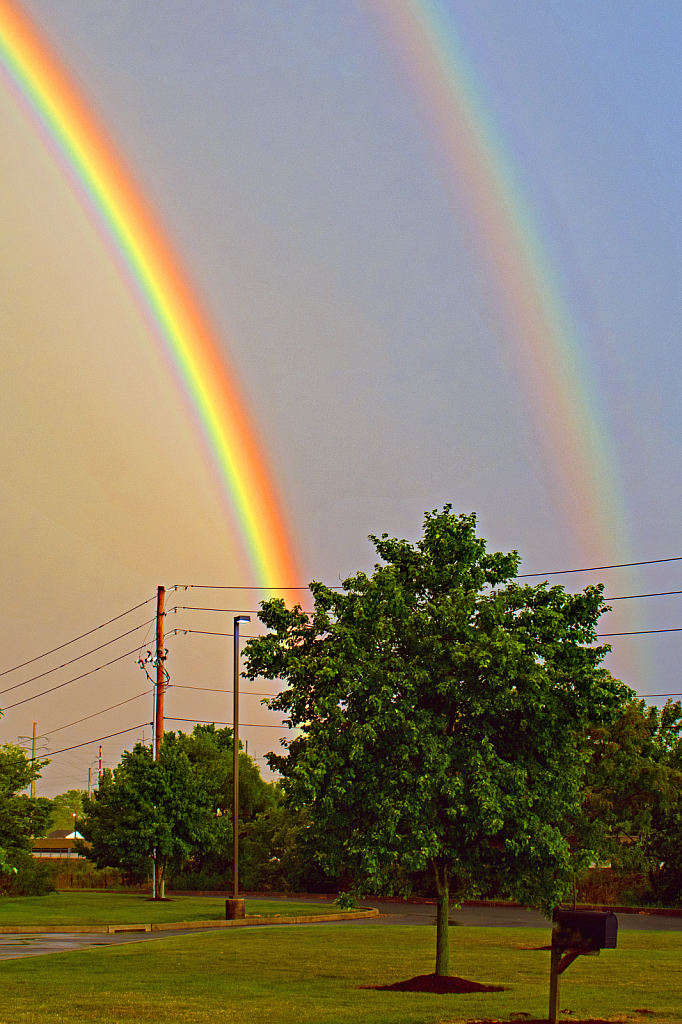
(32, 877)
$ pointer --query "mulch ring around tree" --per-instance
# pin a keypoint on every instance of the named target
(441, 984)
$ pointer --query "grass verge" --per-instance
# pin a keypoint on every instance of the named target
(133, 908)
(296, 975)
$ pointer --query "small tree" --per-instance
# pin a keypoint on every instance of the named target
(442, 709)
(21, 819)
(147, 810)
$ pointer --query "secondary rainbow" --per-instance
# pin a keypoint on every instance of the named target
(79, 143)
(423, 41)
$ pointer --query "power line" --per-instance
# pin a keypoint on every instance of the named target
(98, 739)
(640, 632)
(206, 586)
(89, 632)
(207, 689)
(257, 611)
(194, 607)
(526, 575)
(643, 696)
(104, 711)
(207, 632)
(597, 568)
(206, 721)
(74, 680)
(196, 586)
(259, 636)
(79, 658)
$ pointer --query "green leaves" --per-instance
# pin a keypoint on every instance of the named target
(21, 817)
(179, 805)
(145, 805)
(441, 707)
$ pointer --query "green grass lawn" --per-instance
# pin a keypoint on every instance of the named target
(311, 974)
(84, 907)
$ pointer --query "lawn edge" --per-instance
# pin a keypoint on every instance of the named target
(164, 926)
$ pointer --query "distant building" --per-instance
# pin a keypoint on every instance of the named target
(59, 843)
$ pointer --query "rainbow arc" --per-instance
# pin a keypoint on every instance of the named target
(50, 100)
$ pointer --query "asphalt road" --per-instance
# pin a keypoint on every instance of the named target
(14, 947)
(494, 917)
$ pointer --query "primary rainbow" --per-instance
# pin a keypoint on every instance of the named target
(423, 41)
(47, 96)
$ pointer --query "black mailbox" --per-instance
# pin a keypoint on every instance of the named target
(585, 928)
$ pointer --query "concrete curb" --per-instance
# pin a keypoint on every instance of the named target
(168, 926)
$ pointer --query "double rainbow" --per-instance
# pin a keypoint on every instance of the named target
(540, 334)
(49, 99)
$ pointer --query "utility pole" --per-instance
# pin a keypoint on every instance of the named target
(89, 780)
(160, 671)
(158, 885)
(235, 907)
(33, 760)
(99, 773)
(33, 738)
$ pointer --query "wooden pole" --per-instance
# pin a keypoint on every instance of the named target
(554, 983)
(33, 761)
(235, 753)
(160, 671)
(89, 780)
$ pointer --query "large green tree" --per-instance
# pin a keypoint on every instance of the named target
(442, 710)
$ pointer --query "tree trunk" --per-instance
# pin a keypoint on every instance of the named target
(442, 918)
(159, 876)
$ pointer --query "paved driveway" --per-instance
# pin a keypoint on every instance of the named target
(14, 947)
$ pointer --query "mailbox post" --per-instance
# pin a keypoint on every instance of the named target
(576, 933)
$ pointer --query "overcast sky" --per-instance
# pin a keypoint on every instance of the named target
(290, 160)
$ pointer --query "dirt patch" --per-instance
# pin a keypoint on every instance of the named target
(440, 984)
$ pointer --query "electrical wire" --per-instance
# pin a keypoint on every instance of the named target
(79, 658)
(206, 632)
(89, 632)
(259, 636)
(74, 680)
(643, 696)
(640, 632)
(206, 689)
(196, 608)
(526, 575)
(206, 586)
(103, 712)
(257, 611)
(597, 568)
(206, 721)
(98, 739)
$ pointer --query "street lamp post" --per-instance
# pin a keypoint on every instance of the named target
(235, 907)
